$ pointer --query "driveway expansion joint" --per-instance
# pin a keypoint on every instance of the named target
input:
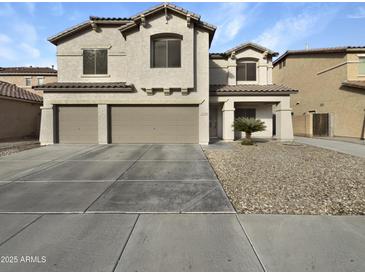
(116, 180)
(21, 230)
(251, 244)
(125, 244)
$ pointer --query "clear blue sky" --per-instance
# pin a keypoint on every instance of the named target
(279, 26)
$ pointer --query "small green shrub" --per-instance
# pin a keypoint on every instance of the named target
(246, 142)
(248, 125)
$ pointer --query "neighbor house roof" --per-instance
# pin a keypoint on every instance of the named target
(14, 92)
(250, 90)
(354, 84)
(87, 86)
(223, 55)
(320, 51)
(27, 71)
(137, 19)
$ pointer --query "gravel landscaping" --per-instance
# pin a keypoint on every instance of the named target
(277, 178)
(7, 148)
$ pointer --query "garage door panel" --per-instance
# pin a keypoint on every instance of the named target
(77, 124)
(154, 124)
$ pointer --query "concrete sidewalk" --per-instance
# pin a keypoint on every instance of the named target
(340, 146)
(181, 242)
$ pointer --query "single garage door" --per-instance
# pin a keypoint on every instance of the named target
(77, 124)
(154, 124)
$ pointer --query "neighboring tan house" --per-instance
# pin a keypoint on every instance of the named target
(145, 79)
(331, 84)
(26, 77)
(20, 112)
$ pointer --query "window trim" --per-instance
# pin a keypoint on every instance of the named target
(165, 37)
(28, 78)
(86, 75)
(40, 78)
(361, 57)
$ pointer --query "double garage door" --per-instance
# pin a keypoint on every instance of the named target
(129, 124)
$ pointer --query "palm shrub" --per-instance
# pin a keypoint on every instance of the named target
(248, 125)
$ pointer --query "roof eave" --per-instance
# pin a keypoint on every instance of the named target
(30, 73)
(82, 26)
(254, 93)
(20, 99)
(253, 45)
(75, 89)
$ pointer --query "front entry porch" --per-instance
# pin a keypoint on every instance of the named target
(275, 111)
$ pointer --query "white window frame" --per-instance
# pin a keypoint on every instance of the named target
(40, 78)
(247, 81)
(361, 56)
(26, 79)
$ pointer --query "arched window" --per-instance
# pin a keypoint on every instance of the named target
(246, 70)
(166, 50)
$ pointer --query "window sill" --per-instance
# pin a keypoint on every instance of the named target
(95, 76)
(165, 67)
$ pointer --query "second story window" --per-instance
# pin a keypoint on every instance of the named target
(95, 61)
(362, 65)
(40, 81)
(28, 81)
(246, 71)
(166, 52)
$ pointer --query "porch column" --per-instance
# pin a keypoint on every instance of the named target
(46, 131)
(103, 124)
(228, 118)
(284, 123)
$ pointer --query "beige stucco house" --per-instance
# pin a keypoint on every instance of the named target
(26, 77)
(19, 112)
(331, 84)
(150, 79)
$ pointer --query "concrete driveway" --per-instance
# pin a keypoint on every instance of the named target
(110, 179)
(100, 208)
(181, 242)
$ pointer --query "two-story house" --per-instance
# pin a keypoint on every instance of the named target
(26, 77)
(150, 79)
(331, 84)
(241, 85)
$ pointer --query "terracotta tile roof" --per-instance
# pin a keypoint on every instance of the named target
(194, 17)
(354, 84)
(27, 71)
(253, 45)
(250, 90)
(319, 51)
(12, 91)
(168, 5)
(84, 26)
(87, 86)
(223, 55)
(97, 18)
(127, 23)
